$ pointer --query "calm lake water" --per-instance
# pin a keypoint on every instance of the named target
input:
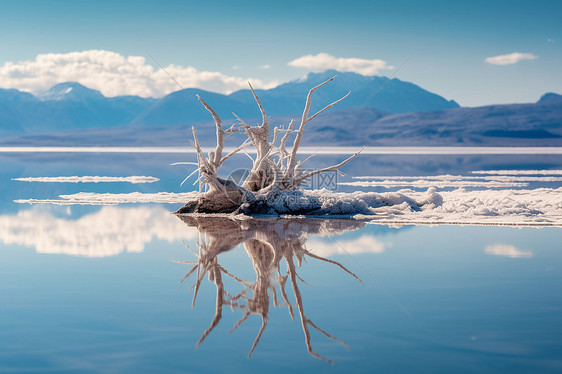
(94, 289)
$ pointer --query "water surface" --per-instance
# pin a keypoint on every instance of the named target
(94, 288)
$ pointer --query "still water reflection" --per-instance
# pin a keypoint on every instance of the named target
(77, 298)
(270, 245)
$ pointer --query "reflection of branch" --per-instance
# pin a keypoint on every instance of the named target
(304, 320)
(216, 275)
(262, 328)
(335, 263)
(267, 243)
(302, 280)
(262, 256)
(189, 272)
(282, 280)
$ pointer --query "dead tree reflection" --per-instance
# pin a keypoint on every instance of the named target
(269, 243)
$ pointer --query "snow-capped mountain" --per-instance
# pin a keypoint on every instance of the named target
(71, 91)
(379, 111)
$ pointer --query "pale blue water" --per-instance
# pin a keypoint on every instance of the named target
(93, 289)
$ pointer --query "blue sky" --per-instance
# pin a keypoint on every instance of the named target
(445, 43)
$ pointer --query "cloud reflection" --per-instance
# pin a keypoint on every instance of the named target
(107, 232)
(363, 244)
(507, 251)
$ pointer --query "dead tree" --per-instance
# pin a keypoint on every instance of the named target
(275, 169)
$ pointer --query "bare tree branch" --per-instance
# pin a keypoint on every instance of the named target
(265, 125)
(241, 147)
(305, 119)
(327, 107)
(330, 168)
(220, 133)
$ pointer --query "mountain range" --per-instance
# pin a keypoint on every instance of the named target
(379, 111)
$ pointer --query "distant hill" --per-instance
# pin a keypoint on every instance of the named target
(14, 111)
(183, 108)
(538, 124)
(66, 106)
(381, 93)
(550, 98)
(71, 106)
(379, 112)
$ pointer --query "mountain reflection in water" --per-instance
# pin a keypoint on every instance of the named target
(268, 242)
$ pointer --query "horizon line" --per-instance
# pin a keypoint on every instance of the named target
(302, 150)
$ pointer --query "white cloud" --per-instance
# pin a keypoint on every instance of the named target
(363, 244)
(264, 66)
(507, 251)
(509, 59)
(114, 74)
(324, 61)
(107, 232)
